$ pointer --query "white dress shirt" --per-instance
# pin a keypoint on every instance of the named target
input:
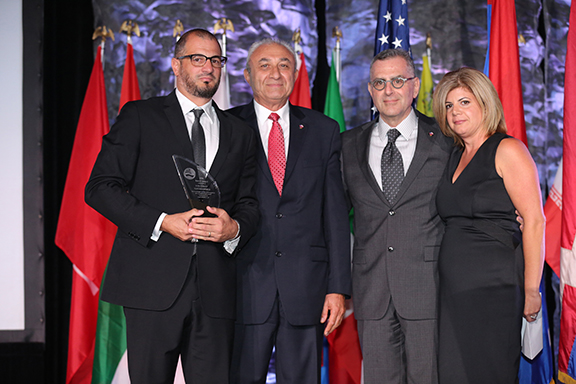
(265, 124)
(211, 126)
(406, 144)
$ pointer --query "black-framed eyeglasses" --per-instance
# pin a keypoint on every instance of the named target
(397, 82)
(198, 60)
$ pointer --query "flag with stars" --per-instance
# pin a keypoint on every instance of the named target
(392, 26)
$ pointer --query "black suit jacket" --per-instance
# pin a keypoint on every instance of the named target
(301, 250)
(134, 180)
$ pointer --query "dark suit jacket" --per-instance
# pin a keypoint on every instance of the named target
(134, 180)
(301, 250)
(396, 246)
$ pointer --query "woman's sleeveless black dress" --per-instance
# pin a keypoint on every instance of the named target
(481, 274)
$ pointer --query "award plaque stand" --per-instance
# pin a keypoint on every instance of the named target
(199, 186)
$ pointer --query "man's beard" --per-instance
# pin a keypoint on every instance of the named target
(205, 92)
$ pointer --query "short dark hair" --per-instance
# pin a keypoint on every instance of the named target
(391, 53)
(180, 47)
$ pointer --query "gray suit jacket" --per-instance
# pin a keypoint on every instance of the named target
(396, 246)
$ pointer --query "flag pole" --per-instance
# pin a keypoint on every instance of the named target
(337, 33)
(177, 33)
(300, 95)
(429, 48)
(297, 40)
(224, 24)
(129, 27)
(103, 33)
(222, 95)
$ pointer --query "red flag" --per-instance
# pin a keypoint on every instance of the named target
(130, 88)
(504, 67)
(83, 234)
(553, 213)
(344, 354)
(301, 93)
(567, 351)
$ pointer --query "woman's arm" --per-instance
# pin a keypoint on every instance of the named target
(516, 167)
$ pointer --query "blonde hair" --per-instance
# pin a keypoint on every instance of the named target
(484, 92)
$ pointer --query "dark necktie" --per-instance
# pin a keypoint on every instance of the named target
(198, 140)
(392, 167)
(276, 152)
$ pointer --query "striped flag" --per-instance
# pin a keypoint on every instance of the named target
(344, 353)
(567, 350)
(110, 345)
(83, 234)
(333, 105)
(392, 26)
(553, 213)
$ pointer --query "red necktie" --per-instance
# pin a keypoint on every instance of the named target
(276, 152)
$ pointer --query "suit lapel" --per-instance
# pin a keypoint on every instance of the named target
(224, 141)
(174, 114)
(248, 114)
(363, 151)
(427, 135)
(298, 133)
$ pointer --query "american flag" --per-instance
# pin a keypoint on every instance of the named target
(392, 26)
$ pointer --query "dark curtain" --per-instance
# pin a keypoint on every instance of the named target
(67, 62)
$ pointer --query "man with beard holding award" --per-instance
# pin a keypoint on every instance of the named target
(171, 267)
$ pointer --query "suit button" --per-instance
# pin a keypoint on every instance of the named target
(390, 249)
(391, 213)
(279, 215)
(278, 254)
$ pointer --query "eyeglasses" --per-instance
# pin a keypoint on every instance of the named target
(397, 82)
(198, 60)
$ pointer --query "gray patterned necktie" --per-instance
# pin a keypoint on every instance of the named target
(198, 140)
(392, 167)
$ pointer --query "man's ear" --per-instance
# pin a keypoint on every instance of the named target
(176, 66)
(247, 76)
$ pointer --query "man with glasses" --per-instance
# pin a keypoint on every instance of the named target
(294, 274)
(171, 268)
(391, 169)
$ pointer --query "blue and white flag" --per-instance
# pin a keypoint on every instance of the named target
(392, 26)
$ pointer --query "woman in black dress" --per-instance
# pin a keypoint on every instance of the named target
(486, 282)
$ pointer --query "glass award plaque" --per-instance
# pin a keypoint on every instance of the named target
(199, 186)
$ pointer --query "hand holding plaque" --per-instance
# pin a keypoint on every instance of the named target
(199, 186)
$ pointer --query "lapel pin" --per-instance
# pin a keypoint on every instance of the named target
(301, 126)
(431, 133)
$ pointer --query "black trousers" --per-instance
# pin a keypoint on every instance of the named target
(157, 338)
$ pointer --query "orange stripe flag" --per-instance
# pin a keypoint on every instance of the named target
(83, 234)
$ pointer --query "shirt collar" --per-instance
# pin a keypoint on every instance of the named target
(187, 105)
(262, 113)
(406, 127)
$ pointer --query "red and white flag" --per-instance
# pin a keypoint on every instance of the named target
(82, 233)
(567, 350)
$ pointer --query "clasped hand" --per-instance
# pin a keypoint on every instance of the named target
(190, 225)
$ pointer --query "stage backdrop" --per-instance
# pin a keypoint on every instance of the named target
(458, 30)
